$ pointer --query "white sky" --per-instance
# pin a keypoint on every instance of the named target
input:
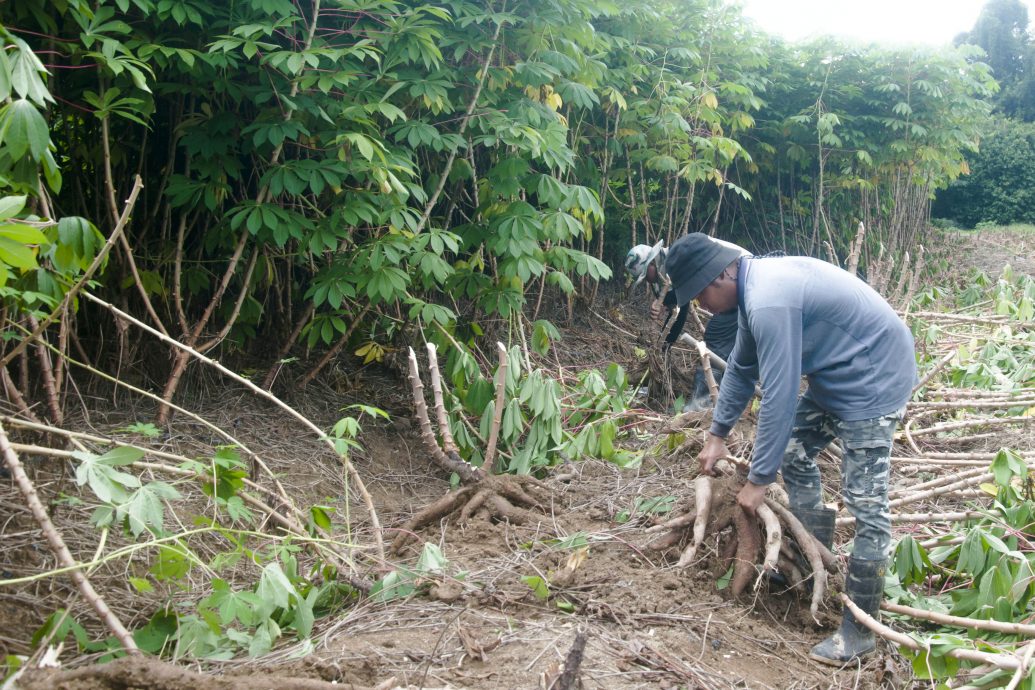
(898, 22)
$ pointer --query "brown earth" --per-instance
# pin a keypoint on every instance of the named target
(477, 624)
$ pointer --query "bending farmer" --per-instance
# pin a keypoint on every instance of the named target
(803, 316)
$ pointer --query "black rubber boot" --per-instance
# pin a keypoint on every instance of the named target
(865, 587)
(820, 523)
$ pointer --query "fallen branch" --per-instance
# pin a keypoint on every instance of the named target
(569, 676)
(966, 424)
(961, 621)
(954, 487)
(1007, 661)
(941, 481)
(61, 552)
(897, 518)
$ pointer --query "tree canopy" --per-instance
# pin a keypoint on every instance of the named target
(334, 174)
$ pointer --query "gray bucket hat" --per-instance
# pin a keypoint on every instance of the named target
(696, 260)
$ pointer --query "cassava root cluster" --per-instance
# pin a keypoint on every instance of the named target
(740, 538)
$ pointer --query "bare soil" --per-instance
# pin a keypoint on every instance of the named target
(477, 625)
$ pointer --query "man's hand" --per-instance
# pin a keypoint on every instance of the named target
(714, 450)
(751, 496)
(658, 311)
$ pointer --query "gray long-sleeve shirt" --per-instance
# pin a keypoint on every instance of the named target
(802, 316)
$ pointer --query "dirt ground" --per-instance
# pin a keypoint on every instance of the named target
(991, 250)
(477, 624)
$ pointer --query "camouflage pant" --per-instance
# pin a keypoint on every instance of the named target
(864, 470)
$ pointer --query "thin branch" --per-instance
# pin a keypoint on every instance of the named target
(61, 552)
(357, 481)
(84, 279)
(1007, 661)
(961, 621)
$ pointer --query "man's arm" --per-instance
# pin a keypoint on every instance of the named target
(741, 374)
(738, 383)
(779, 332)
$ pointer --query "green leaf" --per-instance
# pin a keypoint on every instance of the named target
(724, 581)
(11, 206)
(431, 560)
(265, 635)
(25, 234)
(23, 129)
(321, 516)
(608, 430)
(275, 590)
(394, 585)
(120, 456)
(159, 631)
(141, 585)
(17, 255)
(543, 334)
(538, 585)
(144, 508)
(172, 564)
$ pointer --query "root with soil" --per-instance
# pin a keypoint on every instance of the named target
(494, 496)
(716, 511)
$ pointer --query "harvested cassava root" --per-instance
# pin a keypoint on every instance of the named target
(716, 511)
(500, 497)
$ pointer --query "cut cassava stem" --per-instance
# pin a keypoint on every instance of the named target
(501, 496)
(706, 366)
(961, 621)
(448, 444)
(61, 552)
(856, 249)
(497, 415)
(1005, 661)
(466, 471)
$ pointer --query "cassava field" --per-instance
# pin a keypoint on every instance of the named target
(320, 365)
(271, 573)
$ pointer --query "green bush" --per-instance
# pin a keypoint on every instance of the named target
(1000, 188)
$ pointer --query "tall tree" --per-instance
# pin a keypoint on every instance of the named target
(1001, 30)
